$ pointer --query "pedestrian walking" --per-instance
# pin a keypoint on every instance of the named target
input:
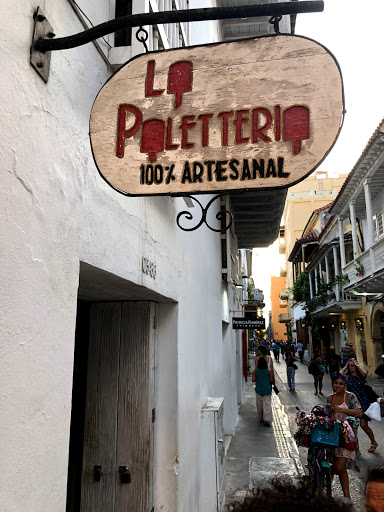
(264, 376)
(334, 363)
(355, 378)
(276, 351)
(347, 352)
(300, 350)
(316, 369)
(343, 404)
(291, 368)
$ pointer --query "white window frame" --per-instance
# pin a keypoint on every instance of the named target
(378, 226)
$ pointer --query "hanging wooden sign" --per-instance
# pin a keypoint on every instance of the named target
(250, 114)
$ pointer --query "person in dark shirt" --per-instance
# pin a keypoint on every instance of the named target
(334, 363)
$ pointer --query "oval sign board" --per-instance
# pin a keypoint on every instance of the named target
(250, 114)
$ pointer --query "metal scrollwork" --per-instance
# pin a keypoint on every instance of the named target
(220, 216)
(142, 38)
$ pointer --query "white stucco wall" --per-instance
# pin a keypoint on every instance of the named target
(56, 211)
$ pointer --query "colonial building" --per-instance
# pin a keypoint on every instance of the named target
(120, 370)
(344, 262)
(310, 195)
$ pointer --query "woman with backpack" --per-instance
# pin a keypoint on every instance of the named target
(316, 369)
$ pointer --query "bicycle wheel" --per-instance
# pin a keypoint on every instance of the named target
(327, 481)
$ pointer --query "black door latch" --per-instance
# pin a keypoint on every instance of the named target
(125, 475)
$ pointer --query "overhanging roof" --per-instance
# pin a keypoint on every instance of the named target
(257, 215)
(370, 164)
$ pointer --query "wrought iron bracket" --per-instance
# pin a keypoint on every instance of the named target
(221, 216)
(40, 61)
(43, 42)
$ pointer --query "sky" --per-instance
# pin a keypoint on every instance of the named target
(351, 31)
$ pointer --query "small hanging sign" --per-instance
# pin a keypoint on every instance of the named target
(250, 114)
(248, 323)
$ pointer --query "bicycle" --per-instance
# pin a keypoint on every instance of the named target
(319, 444)
(319, 469)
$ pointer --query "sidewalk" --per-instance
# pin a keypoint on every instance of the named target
(257, 452)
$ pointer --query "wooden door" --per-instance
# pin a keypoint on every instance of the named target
(119, 403)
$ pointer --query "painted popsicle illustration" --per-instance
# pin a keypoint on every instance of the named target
(296, 126)
(152, 138)
(180, 80)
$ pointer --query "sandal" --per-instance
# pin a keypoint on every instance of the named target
(372, 448)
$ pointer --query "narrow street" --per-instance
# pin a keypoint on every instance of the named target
(257, 453)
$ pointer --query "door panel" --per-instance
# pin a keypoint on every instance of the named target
(118, 418)
(133, 406)
(101, 410)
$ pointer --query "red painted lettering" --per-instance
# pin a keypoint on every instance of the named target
(224, 130)
(204, 121)
(184, 127)
(258, 131)
(149, 90)
(238, 122)
(277, 122)
(168, 142)
(122, 133)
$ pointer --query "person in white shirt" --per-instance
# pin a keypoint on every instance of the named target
(300, 349)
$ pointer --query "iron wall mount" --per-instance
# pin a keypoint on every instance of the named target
(43, 38)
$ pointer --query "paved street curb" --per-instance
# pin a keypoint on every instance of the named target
(291, 447)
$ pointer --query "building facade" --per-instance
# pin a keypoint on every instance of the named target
(119, 362)
(315, 192)
(344, 263)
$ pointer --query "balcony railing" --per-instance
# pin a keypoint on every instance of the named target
(281, 245)
(361, 267)
(283, 270)
(285, 318)
(284, 293)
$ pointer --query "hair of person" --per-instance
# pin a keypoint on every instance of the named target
(339, 377)
(357, 369)
(284, 494)
(376, 474)
(316, 351)
(263, 350)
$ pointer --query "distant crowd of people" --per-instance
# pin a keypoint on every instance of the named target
(351, 396)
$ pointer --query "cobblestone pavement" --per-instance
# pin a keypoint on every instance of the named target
(304, 398)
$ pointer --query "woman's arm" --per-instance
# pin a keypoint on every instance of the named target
(348, 412)
(363, 372)
(343, 372)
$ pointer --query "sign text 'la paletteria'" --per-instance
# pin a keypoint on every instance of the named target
(251, 114)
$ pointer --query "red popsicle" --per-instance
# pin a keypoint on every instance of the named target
(152, 138)
(180, 80)
(296, 126)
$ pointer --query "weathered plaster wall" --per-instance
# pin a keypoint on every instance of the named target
(56, 211)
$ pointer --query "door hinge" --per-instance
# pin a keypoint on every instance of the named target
(153, 415)
(155, 322)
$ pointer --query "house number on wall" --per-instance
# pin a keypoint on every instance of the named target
(148, 267)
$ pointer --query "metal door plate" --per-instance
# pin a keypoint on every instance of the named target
(42, 30)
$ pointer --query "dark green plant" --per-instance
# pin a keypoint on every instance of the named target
(300, 291)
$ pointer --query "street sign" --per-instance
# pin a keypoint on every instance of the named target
(248, 323)
(249, 114)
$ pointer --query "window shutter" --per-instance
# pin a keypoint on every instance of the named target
(374, 227)
(380, 227)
